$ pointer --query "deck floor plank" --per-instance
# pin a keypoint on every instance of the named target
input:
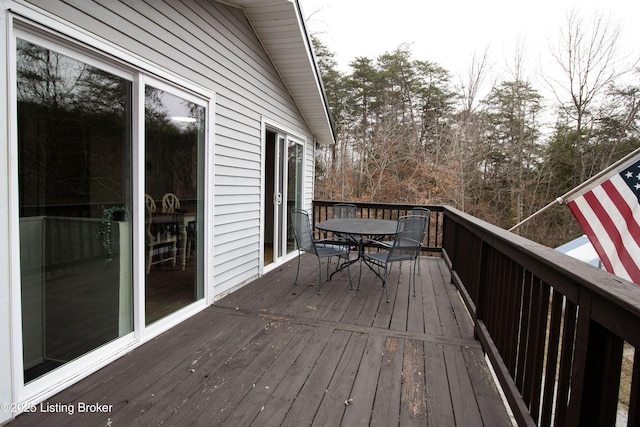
(284, 394)
(255, 400)
(465, 406)
(277, 354)
(308, 400)
(221, 389)
(358, 411)
(386, 410)
(413, 401)
(338, 392)
(439, 406)
(430, 274)
(170, 388)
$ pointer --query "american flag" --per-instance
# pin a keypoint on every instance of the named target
(609, 213)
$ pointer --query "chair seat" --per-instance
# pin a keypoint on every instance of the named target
(329, 250)
(383, 257)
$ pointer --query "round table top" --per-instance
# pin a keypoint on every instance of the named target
(360, 226)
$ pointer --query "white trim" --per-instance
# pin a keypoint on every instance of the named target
(209, 201)
(275, 126)
(49, 41)
(13, 259)
(138, 183)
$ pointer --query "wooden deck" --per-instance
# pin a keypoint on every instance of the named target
(277, 354)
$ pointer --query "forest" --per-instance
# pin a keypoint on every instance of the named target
(408, 133)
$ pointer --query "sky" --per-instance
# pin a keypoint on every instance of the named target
(451, 32)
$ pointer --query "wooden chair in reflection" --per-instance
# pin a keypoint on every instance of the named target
(161, 242)
(170, 203)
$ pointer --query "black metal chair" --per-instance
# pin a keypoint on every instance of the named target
(345, 210)
(321, 249)
(405, 247)
(419, 210)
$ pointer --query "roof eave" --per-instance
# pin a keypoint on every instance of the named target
(280, 27)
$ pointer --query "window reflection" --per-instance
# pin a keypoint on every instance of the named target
(174, 177)
(74, 175)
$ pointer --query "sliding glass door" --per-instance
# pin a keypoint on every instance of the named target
(77, 125)
(174, 202)
(284, 177)
(74, 153)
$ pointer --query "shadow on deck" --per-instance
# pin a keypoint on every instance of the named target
(273, 353)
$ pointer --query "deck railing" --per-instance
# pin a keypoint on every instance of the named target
(560, 333)
(322, 210)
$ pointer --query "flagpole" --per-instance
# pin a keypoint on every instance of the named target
(560, 200)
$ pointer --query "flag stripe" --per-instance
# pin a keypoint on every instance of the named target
(585, 224)
(595, 230)
(630, 213)
(611, 234)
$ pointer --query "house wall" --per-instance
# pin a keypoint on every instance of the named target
(214, 46)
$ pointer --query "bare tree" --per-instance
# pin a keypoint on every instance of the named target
(587, 54)
(474, 80)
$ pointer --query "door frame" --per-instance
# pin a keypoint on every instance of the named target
(289, 135)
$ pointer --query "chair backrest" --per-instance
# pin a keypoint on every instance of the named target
(344, 210)
(409, 235)
(425, 212)
(302, 230)
(150, 205)
(419, 210)
(170, 203)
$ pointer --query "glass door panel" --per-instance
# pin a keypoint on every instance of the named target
(283, 191)
(280, 202)
(174, 187)
(74, 173)
(294, 185)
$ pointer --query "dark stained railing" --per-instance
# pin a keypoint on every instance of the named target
(322, 211)
(555, 329)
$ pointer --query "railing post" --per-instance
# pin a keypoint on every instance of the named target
(595, 378)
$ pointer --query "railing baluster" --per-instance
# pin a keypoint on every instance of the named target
(552, 358)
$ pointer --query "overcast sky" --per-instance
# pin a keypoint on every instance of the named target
(450, 32)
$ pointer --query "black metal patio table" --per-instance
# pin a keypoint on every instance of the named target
(359, 231)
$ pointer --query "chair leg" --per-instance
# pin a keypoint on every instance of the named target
(320, 274)
(295, 282)
(414, 275)
(360, 275)
(349, 273)
(384, 283)
(150, 259)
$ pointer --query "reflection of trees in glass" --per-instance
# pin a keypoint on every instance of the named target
(54, 80)
(171, 145)
(73, 131)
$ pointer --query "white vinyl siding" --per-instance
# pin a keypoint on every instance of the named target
(213, 46)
